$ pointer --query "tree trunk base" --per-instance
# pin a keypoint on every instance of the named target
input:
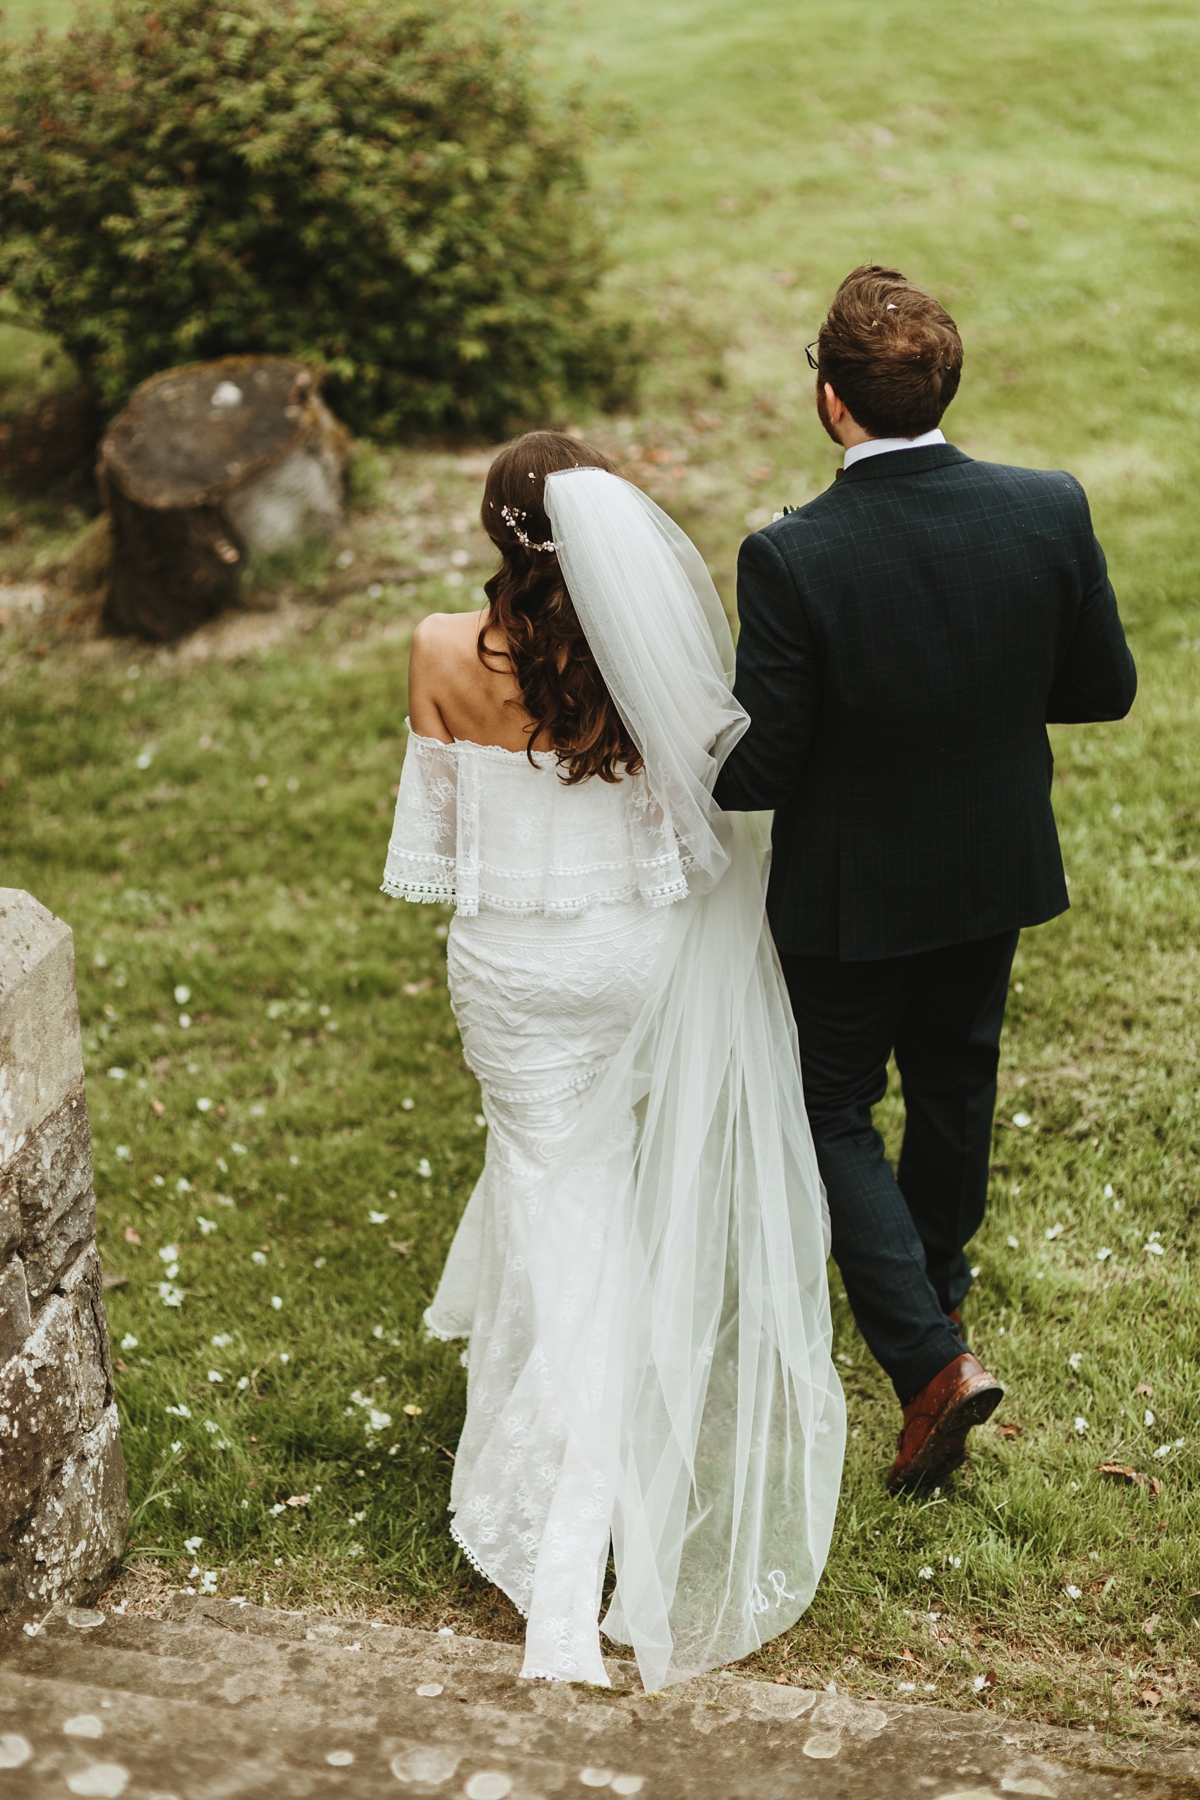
(206, 464)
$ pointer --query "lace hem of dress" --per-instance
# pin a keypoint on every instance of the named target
(481, 1569)
(445, 893)
(421, 893)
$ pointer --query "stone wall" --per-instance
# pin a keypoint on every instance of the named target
(63, 1504)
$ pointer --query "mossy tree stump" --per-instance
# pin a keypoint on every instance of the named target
(207, 463)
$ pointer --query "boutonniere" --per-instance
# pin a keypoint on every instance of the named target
(775, 517)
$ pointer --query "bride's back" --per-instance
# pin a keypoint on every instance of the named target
(453, 694)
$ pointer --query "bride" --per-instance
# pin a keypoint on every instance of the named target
(640, 1271)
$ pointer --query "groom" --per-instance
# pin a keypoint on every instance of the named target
(905, 638)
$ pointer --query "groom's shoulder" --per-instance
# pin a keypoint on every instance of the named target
(981, 486)
(1050, 483)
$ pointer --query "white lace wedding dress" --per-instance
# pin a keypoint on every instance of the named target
(560, 895)
(640, 1269)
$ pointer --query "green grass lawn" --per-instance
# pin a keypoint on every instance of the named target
(217, 821)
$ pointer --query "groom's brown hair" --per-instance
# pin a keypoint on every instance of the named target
(890, 352)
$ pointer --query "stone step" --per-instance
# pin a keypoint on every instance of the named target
(214, 1700)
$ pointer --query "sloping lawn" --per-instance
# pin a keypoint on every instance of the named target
(216, 823)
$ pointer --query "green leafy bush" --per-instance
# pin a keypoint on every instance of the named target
(383, 188)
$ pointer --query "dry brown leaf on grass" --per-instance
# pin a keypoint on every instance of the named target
(1008, 1431)
(1150, 1696)
(1113, 1471)
(132, 1236)
(1144, 1388)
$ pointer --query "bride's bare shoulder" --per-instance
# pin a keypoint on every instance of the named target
(443, 667)
(446, 636)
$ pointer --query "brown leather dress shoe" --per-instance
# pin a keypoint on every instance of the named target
(933, 1440)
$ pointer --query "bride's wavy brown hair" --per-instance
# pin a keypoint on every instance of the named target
(561, 687)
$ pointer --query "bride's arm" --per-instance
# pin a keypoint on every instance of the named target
(777, 682)
(426, 665)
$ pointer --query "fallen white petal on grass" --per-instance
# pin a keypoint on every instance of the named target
(1081, 1425)
(215, 1375)
(182, 995)
(1148, 1418)
(222, 1340)
(378, 1218)
(169, 1253)
(926, 1574)
(116, 1074)
(1021, 1120)
(277, 1302)
(170, 1296)
(257, 1257)
(84, 1725)
(206, 1225)
(123, 1152)
(1013, 1244)
(1103, 1255)
(192, 1544)
(1155, 1249)
(1074, 1593)
(1054, 1231)
(423, 1168)
(129, 1342)
(204, 1104)
(1075, 1358)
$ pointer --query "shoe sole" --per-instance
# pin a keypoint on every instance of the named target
(945, 1449)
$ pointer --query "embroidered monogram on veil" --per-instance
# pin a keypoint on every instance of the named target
(640, 1270)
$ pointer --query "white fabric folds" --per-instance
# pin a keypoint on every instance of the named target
(493, 832)
(686, 1361)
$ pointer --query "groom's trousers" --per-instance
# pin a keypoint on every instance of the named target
(899, 1239)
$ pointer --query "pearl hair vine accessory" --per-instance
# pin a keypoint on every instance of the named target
(512, 518)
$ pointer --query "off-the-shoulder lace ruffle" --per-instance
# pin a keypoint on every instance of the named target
(485, 829)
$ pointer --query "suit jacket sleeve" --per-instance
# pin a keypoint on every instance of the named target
(777, 681)
(1096, 678)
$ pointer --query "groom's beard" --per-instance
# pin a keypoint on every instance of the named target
(823, 413)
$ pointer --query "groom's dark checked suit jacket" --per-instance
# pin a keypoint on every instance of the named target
(905, 638)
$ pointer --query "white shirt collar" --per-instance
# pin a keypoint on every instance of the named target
(880, 446)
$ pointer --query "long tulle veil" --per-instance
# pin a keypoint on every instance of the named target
(692, 1354)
